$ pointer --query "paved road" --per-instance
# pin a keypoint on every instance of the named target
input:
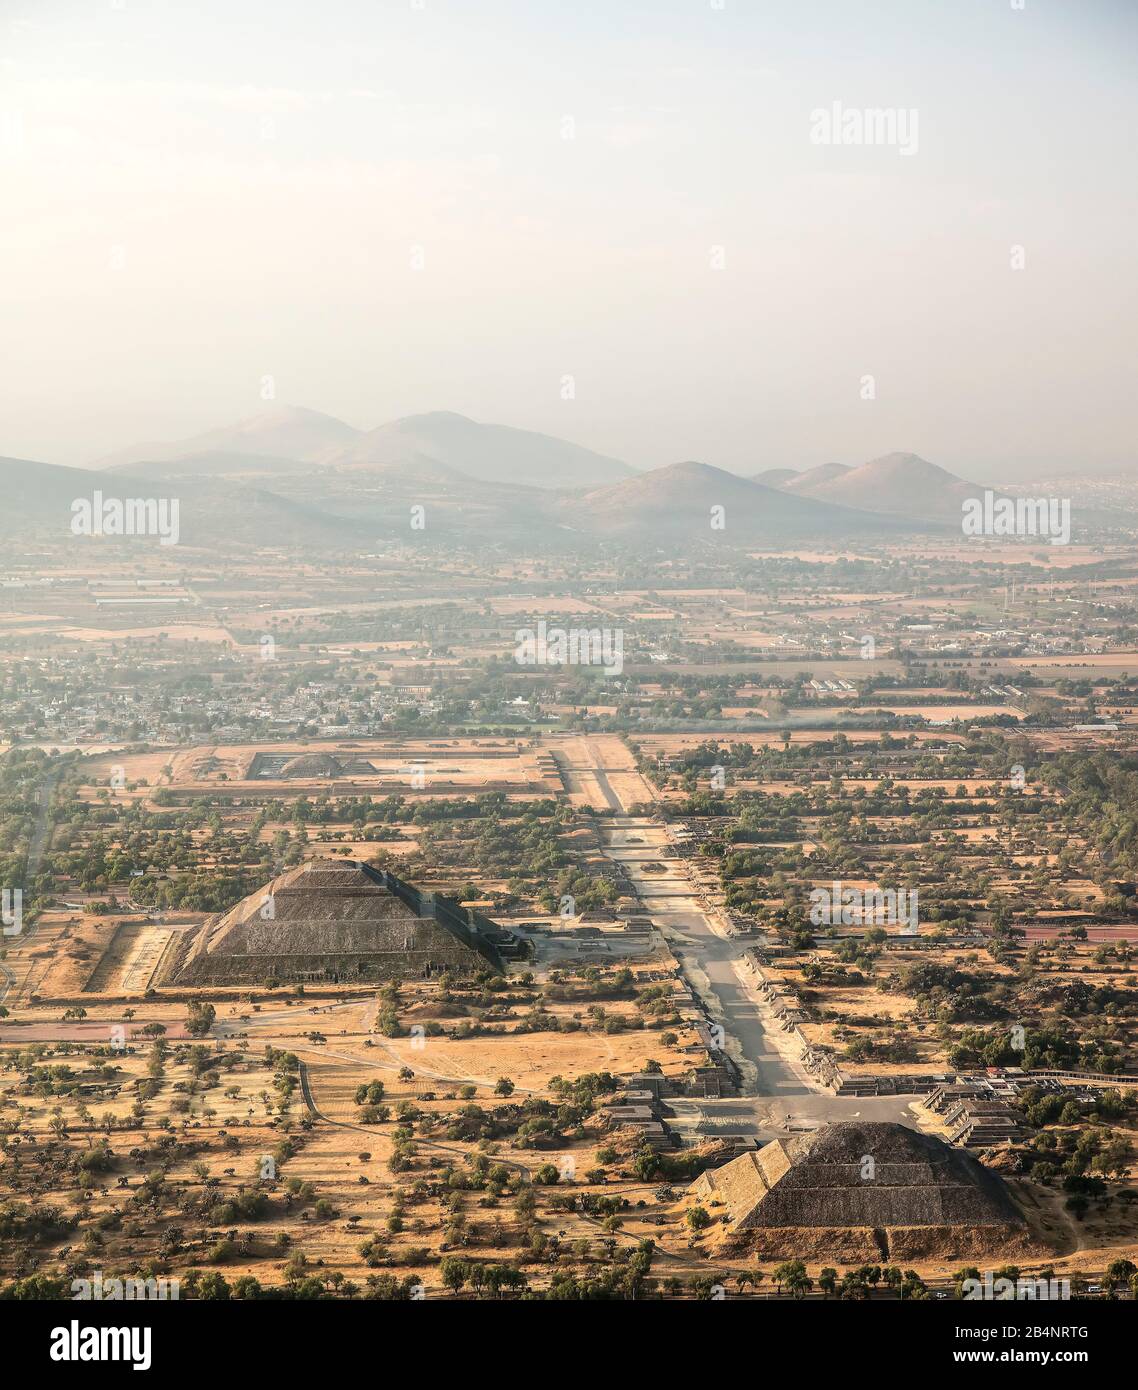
(43, 827)
(574, 772)
(710, 960)
(779, 1094)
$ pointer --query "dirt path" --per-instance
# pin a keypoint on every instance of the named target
(460, 1154)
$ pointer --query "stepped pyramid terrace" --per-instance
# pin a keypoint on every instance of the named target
(339, 921)
(873, 1190)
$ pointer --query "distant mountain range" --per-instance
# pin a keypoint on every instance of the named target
(774, 477)
(292, 476)
(693, 500)
(438, 442)
(896, 485)
(491, 453)
(40, 497)
(287, 433)
(814, 480)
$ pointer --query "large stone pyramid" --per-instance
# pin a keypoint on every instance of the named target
(335, 920)
(877, 1179)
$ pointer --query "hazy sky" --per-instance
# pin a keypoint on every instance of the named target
(198, 195)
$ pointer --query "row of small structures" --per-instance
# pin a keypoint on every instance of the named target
(977, 1110)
